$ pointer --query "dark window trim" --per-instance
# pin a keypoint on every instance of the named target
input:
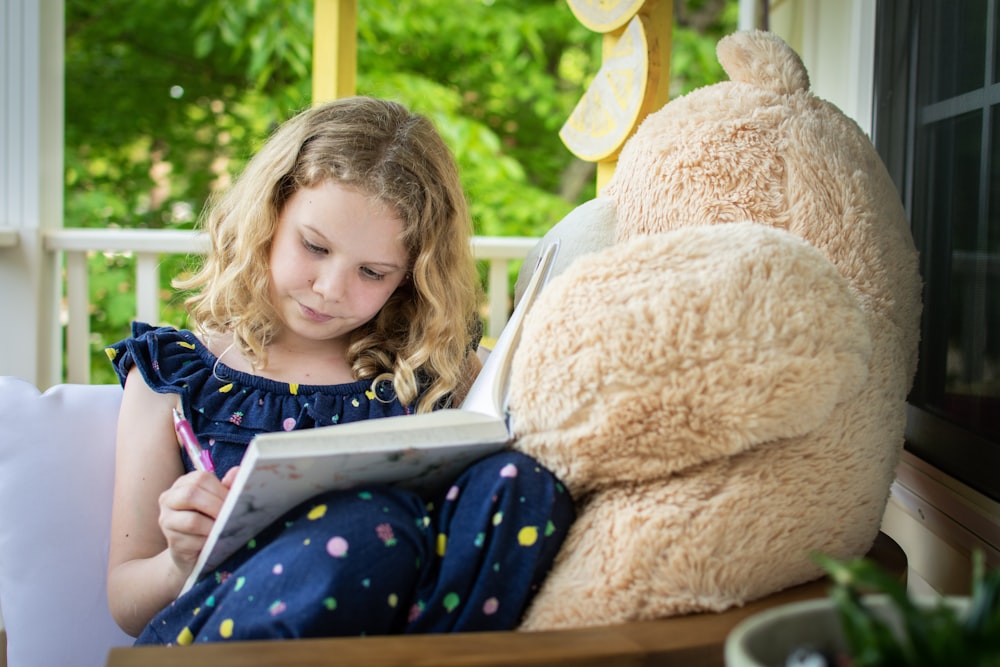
(957, 451)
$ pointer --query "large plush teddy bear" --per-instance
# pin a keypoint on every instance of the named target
(721, 382)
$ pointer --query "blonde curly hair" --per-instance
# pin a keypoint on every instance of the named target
(422, 337)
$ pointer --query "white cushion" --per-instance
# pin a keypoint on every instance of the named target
(56, 476)
(590, 227)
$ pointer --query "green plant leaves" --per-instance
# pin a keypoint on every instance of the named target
(928, 634)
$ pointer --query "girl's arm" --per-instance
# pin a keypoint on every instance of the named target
(160, 516)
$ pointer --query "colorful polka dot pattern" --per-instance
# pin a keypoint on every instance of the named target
(379, 561)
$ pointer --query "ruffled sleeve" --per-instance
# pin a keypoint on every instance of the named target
(227, 408)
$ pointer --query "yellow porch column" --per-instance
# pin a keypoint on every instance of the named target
(633, 82)
(335, 49)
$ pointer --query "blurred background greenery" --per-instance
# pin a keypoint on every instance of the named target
(165, 102)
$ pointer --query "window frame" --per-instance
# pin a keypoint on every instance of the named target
(952, 447)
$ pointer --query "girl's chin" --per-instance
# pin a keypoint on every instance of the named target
(322, 331)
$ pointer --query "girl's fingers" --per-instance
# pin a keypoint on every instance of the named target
(230, 477)
(195, 492)
(187, 511)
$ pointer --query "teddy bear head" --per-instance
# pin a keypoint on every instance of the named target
(763, 148)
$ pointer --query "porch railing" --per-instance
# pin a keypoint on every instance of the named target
(148, 247)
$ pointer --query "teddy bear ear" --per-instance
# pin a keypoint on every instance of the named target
(764, 60)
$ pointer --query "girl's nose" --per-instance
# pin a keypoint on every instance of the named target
(330, 283)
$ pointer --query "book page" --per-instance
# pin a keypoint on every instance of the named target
(422, 453)
(488, 393)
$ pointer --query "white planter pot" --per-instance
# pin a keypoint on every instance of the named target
(768, 638)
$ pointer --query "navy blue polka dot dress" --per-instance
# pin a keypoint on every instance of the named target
(363, 561)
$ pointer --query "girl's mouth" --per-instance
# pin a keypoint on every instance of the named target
(314, 315)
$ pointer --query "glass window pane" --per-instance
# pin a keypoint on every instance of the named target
(960, 363)
(953, 48)
(996, 51)
(949, 177)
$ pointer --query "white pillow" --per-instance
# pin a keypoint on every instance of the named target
(590, 227)
(56, 476)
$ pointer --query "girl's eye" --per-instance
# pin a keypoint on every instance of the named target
(370, 274)
(315, 249)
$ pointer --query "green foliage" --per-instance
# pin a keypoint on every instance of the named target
(504, 60)
(935, 635)
(165, 102)
(698, 26)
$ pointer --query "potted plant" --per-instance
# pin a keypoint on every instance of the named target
(869, 620)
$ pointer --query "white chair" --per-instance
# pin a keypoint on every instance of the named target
(56, 476)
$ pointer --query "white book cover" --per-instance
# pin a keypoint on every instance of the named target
(421, 451)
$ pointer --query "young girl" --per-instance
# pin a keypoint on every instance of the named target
(340, 286)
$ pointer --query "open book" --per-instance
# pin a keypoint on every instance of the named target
(424, 452)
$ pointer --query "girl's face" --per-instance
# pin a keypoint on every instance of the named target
(336, 258)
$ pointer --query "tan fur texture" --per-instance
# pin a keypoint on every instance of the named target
(723, 389)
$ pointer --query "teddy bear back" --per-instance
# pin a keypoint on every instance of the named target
(763, 148)
(668, 351)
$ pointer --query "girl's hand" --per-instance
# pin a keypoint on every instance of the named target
(187, 511)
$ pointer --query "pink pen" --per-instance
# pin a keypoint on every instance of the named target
(201, 459)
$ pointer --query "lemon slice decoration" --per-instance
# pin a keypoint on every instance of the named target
(604, 15)
(607, 113)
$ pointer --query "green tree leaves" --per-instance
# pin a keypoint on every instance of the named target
(165, 102)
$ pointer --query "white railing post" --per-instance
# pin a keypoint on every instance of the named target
(77, 318)
(500, 251)
(147, 246)
(31, 178)
(147, 287)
